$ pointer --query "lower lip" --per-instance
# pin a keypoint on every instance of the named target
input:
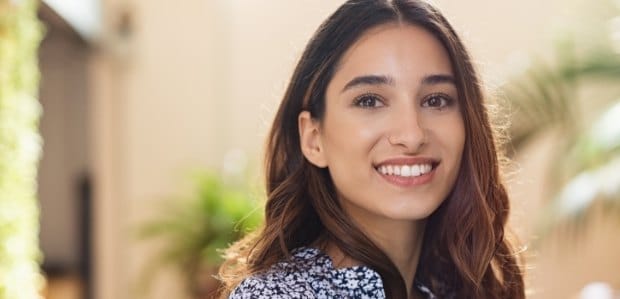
(408, 181)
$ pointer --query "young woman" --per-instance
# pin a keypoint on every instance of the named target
(382, 171)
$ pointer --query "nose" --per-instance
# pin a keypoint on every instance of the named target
(407, 130)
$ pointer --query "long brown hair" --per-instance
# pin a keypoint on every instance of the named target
(465, 253)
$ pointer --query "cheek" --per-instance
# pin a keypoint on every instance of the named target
(453, 142)
(457, 138)
(348, 144)
(448, 135)
(350, 137)
(451, 133)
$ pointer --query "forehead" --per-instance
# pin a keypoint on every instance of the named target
(402, 51)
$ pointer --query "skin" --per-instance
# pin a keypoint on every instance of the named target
(402, 114)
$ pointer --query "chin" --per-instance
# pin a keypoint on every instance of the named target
(410, 210)
(409, 214)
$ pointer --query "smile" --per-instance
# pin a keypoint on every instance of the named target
(407, 175)
(405, 170)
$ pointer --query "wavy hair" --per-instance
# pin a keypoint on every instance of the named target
(465, 253)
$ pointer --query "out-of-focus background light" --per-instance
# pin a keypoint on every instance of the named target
(83, 15)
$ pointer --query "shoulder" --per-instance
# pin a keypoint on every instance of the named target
(286, 279)
(263, 287)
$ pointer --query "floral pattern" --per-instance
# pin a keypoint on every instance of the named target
(311, 274)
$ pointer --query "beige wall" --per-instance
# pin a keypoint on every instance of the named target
(199, 78)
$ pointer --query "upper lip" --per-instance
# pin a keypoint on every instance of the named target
(409, 161)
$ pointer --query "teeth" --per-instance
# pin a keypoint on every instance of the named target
(405, 170)
(415, 170)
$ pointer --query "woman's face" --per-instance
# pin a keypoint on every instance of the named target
(392, 135)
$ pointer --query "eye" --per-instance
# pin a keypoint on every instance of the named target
(437, 100)
(368, 101)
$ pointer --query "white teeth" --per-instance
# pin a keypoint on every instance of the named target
(405, 170)
(415, 170)
(427, 168)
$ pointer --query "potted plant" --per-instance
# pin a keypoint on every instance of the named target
(197, 228)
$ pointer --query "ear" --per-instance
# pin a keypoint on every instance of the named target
(310, 139)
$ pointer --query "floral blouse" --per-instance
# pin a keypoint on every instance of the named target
(311, 274)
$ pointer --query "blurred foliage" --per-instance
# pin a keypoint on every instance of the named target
(196, 229)
(20, 146)
(576, 97)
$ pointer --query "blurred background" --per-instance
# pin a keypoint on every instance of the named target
(153, 116)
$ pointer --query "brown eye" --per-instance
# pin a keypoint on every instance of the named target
(437, 101)
(368, 101)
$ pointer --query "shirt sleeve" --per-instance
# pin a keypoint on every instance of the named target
(261, 288)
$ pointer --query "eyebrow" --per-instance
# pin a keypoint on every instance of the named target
(382, 80)
(368, 80)
(438, 79)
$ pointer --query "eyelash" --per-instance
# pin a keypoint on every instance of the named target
(442, 97)
(368, 96)
(359, 101)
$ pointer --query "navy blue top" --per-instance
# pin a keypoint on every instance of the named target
(311, 274)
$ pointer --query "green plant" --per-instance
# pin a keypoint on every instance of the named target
(195, 229)
(20, 146)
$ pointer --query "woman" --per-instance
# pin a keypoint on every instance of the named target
(382, 172)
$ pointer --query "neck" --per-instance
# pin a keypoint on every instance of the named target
(402, 243)
(400, 240)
